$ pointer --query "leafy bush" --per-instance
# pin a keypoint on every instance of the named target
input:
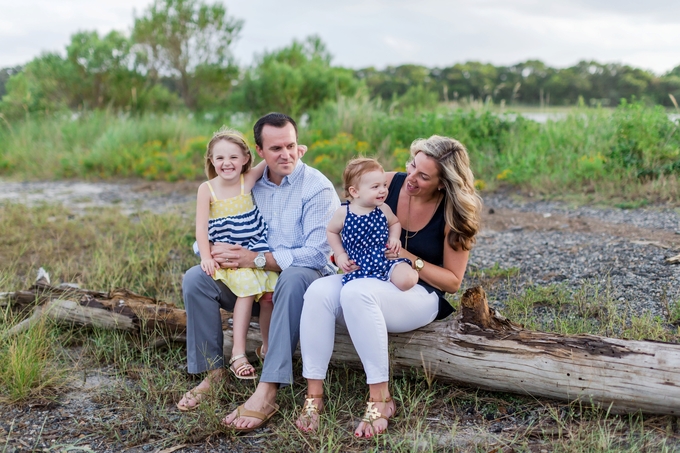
(646, 141)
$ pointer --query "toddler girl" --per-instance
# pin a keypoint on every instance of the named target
(226, 212)
(369, 228)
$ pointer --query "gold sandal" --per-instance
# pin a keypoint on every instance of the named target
(372, 413)
(242, 369)
(310, 410)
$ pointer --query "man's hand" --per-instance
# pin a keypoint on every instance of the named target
(231, 256)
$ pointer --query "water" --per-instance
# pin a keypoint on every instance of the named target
(544, 117)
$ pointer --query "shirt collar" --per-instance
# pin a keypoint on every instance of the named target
(288, 179)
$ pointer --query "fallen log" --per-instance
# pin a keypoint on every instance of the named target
(477, 347)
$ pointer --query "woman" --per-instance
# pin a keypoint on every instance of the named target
(439, 210)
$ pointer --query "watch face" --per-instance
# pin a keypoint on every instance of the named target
(419, 264)
(260, 261)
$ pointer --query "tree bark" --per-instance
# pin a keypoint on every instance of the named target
(478, 347)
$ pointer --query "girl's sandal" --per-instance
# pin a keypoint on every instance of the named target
(241, 370)
(259, 354)
(372, 413)
(310, 413)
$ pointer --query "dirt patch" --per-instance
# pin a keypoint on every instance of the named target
(508, 219)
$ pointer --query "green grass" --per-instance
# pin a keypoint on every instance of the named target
(148, 253)
(624, 155)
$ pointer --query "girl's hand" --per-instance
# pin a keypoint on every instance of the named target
(344, 263)
(394, 245)
(209, 266)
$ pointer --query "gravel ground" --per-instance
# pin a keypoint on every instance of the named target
(550, 242)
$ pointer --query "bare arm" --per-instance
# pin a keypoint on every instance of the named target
(208, 264)
(449, 277)
(255, 173)
(393, 241)
(335, 241)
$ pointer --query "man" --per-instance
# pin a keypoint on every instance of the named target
(297, 202)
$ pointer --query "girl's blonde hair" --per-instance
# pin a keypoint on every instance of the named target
(232, 136)
(463, 207)
(355, 169)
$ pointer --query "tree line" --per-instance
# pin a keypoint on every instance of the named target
(178, 56)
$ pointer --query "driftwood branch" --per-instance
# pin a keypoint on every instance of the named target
(478, 347)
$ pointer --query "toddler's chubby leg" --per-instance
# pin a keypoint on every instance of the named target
(404, 276)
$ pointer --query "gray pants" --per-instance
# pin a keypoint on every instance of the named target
(203, 298)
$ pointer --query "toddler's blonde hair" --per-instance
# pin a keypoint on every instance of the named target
(355, 169)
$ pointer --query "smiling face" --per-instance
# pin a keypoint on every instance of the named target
(422, 176)
(280, 151)
(371, 191)
(228, 159)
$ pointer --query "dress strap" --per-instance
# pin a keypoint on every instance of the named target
(243, 185)
(211, 190)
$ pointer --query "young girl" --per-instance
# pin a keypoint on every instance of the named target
(225, 212)
(368, 228)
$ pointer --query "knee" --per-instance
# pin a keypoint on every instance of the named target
(192, 279)
(315, 291)
(354, 296)
(406, 281)
(292, 284)
(266, 303)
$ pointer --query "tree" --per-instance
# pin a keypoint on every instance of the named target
(102, 65)
(293, 80)
(45, 85)
(181, 36)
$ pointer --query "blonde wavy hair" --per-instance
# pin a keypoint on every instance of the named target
(463, 205)
(232, 136)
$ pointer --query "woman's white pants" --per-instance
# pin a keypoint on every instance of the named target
(370, 308)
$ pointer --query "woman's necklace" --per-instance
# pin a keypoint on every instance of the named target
(408, 221)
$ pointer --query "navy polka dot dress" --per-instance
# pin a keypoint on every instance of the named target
(364, 238)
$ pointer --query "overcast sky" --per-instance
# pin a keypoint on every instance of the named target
(361, 33)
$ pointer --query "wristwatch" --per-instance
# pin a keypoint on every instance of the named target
(260, 260)
(418, 264)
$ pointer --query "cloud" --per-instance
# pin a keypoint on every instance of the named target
(361, 33)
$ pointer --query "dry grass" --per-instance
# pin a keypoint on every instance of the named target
(135, 407)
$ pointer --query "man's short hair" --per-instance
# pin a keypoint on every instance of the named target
(272, 119)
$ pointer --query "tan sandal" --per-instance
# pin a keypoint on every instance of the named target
(372, 413)
(258, 353)
(309, 412)
(240, 372)
(192, 395)
(243, 412)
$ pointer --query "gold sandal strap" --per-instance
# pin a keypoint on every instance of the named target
(310, 409)
(386, 400)
(236, 357)
(372, 413)
(243, 368)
